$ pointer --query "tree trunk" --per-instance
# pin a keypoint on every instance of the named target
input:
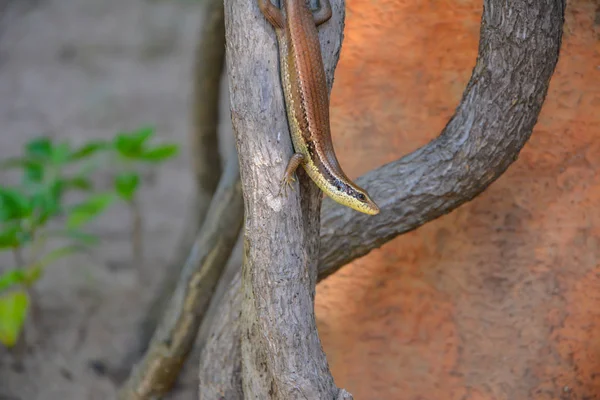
(518, 52)
(281, 352)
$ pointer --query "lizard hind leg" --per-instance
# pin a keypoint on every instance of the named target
(288, 176)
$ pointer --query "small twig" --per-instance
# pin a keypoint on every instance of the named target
(21, 345)
(18, 258)
(39, 245)
(136, 234)
(21, 263)
(34, 310)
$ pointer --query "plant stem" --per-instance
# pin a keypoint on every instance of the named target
(136, 233)
(18, 256)
(34, 310)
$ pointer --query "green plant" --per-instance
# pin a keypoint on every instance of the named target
(35, 211)
(26, 211)
(132, 150)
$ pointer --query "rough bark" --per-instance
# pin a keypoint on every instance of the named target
(518, 51)
(208, 68)
(223, 349)
(281, 351)
(176, 334)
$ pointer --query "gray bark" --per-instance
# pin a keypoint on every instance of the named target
(224, 350)
(281, 351)
(518, 51)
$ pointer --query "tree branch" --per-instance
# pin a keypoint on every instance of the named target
(206, 161)
(518, 51)
(177, 332)
(208, 68)
(220, 375)
(281, 352)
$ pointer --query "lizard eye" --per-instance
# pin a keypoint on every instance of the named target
(361, 197)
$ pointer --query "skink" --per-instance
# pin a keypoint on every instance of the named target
(307, 101)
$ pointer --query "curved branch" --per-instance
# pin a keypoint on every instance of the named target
(176, 334)
(518, 51)
(206, 160)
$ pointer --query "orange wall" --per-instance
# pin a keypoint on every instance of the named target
(501, 298)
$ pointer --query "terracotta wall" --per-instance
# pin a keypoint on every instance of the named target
(501, 298)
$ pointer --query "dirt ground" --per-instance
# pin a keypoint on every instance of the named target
(85, 69)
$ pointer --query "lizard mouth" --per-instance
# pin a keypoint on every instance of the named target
(371, 208)
(366, 207)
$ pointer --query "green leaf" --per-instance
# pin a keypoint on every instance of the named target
(126, 185)
(33, 275)
(33, 169)
(33, 172)
(46, 201)
(13, 311)
(61, 153)
(89, 149)
(13, 204)
(126, 147)
(16, 277)
(131, 144)
(40, 148)
(56, 189)
(159, 153)
(10, 236)
(142, 134)
(89, 209)
(79, 182)
(11, 278)
(13, 235)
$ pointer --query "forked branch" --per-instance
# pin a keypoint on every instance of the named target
(518, 51)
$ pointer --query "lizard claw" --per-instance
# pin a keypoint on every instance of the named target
(285, 183)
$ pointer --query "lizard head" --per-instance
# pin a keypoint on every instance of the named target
(358, 199)
(364, 203)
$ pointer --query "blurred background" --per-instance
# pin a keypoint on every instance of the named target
(497, 300)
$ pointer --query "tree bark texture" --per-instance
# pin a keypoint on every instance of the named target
(518, 51)
(281, 351)
(208, 68)
(223, 349)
